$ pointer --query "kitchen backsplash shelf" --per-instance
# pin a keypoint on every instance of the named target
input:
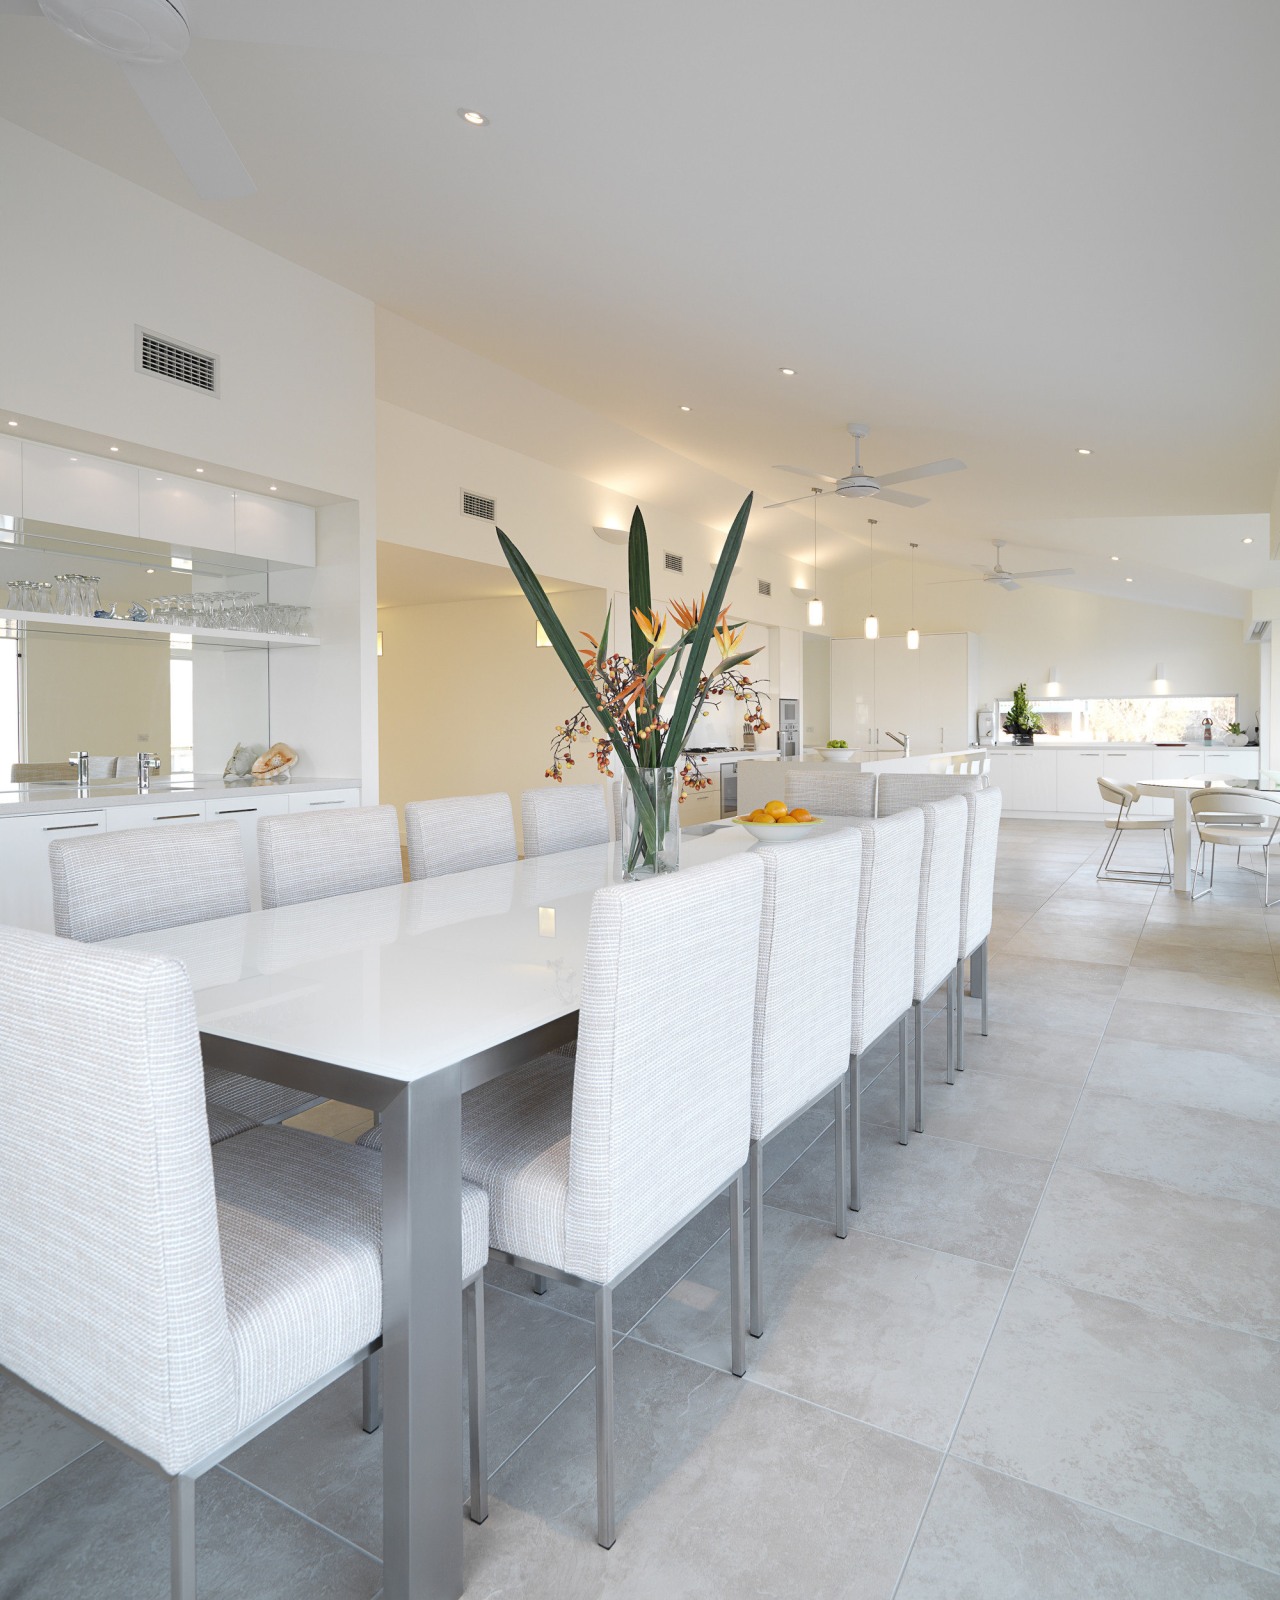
(232, 638)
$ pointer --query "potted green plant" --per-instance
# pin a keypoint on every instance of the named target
(1020, 720)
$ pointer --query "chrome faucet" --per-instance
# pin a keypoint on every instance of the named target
(80, 761)
(904, 739)
(147, 764)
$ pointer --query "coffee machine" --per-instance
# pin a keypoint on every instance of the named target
(789, 728)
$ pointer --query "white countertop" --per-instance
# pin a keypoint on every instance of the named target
(1190, 745)
(36, 799)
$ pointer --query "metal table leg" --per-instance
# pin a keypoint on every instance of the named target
(422, 1340)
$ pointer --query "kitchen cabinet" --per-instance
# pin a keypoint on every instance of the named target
(26, 890)
(1078, 772)
(170, 813)
(878, 684)
(323, 799)
(10, 477)
(275, 530)
(78, 491)
(1027, 780)
(244, 810)
(176, 510)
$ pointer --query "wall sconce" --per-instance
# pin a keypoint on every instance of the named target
(379, 641)
(1160, 684)
(540, 637)
(1053, 687)
(611, 535)
(800, 592)
(546, 922)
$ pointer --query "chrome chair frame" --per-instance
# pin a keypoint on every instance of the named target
(1124, 803)
(1247, 819)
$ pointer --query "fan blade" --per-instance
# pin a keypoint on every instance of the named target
(1007, 583)
(808, 472)
(773, 506)
(896, 499)
(931, 583)
(1047, 572)
(176, 104)
(931, 469)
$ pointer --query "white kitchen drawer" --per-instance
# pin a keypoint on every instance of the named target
(78, 491)
(169, 813)
(324, 800)
(26, 891)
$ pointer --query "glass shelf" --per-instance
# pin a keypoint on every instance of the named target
(228, 638)
(19, 533)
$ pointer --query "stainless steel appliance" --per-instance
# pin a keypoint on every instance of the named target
(788, 727)
(729, 789)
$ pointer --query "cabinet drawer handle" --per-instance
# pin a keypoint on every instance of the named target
(236, 811)
(64, 827)
(176, 816)
(313, 804)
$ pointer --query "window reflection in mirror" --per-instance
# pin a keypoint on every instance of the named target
(1144, 719)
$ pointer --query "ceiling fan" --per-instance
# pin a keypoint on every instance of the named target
(1008, 580)
(858, 484)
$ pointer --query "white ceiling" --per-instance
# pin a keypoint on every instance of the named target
(993, 230)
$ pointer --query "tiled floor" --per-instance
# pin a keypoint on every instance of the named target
(1045, 1363)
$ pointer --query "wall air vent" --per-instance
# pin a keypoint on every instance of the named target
(179, 363)
(478, 505)
(672, 563)
(764, 586)
(1259, 632)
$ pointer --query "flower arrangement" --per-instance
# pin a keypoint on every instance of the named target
(648, 701)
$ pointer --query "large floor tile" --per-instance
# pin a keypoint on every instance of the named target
(939, 1193)
(1211, 1080)
(990, 1537)
(1192, 1027)
(1218, 991)
(1256, 967)
(1024, 1115)
(99, 1530)
(35, 1440)
(320, 1462)
(1182, 1254)
(1203, 1152)
(1173, 1423)
(722, 1488)
(1112, 945)
(1052, 1056)
(1186, 937)
(875, 1329)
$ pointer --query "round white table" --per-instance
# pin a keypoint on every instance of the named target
(1179, 790)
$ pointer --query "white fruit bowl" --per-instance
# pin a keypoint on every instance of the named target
(771, 833)
(837, 755)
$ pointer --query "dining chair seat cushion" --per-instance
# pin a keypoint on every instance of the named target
(225, 1123)
(1238, 838)
(252, 1097)
(1140, 824)
(475, 1214)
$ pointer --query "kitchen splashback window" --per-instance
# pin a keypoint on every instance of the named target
(1153, 719)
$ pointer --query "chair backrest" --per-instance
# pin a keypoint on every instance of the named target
(977, 762)
(615, 806)
(566, 818)
(899, 791)
(1237, 807)
(311, 855)
(832, 794)
(1116, 794)
(109, 884)
(111, 1288)
(474, 830)
(884, 961)
(804, 996)
(946, 828)
(662, 1081)
(981, 843)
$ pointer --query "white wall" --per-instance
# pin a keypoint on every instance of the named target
(86, 256)
(816, 709)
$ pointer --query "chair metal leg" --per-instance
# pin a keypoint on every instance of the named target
(539, 1283)
(1199, 873)
(182, 1538)
(855, 1131)
(737, 1271)
(473, 1305)
(371, 1373)
(917, 1014)
(605, 1532)
(841, 1131)
(1108, 853)
(986, 970)
(755, 1184)
(951, 1028)
(960, 1015)
(904, 1072)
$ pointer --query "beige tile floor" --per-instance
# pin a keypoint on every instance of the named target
(1044, 1365)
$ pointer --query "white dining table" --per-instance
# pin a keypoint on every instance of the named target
(1179, 790)
(401, 999)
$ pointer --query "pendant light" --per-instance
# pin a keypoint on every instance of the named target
(913, 633)
(815, 605)
(871, 623)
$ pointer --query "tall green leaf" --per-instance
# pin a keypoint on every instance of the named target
(639, 585)
(681, 717)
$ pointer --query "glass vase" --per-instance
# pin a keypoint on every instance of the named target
(651, 823)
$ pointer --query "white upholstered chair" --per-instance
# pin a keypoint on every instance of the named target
(899, 791)
(174, 1297)
(1242, 820)
(312, 855)
(455, 835)
(108, 885)
(832, 794)
(567, 817)
(1123, 796)
(884, 960)
(981, 843)
(803, 1011)
(591, 1166)
(946, 828)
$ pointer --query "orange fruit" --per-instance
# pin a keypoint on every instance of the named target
(758, 816)
(776, 808)
(799, 814)
(790, 821)
(765, 818)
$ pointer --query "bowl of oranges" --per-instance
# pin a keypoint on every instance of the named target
(773, 823)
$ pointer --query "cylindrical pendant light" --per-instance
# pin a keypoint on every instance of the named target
(871, 623)
(913, 633)
(815, 605)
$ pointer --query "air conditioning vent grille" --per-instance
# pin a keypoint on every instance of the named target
(764, 586)
(194, 369)
(478, 505)
(672, 563)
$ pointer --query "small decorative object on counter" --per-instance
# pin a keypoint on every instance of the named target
(1236, 734)
(1020, 720)
(240, 762)
(138, 613)
(1207, 725)
(274, 764)
(837, 750)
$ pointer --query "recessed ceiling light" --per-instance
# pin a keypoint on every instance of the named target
(159, 479)
(787, 372)
(477, 119)
(1082, 451)
(1128, 580)
(684, 408)
(115, 449)
(199, 469)
(1115, 558)
(1246, 541)
(151, 569)
(273, 489)
(12, 423)
(73, 459)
